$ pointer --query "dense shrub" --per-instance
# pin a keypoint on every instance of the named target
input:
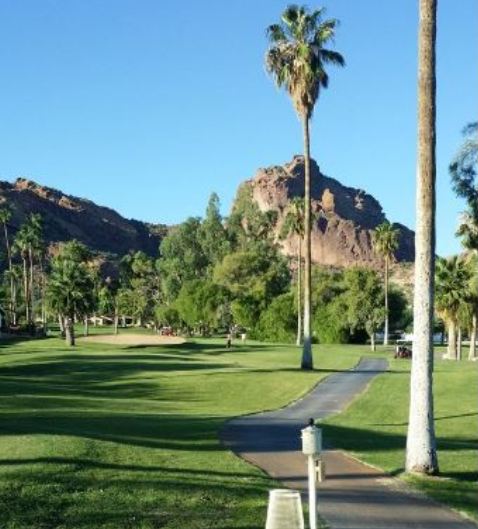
(278, 323)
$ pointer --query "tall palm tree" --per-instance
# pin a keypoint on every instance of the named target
(385, 241)
(5, 216)
(34, 234)
(453, 277)
(294, 224)
(21, 245)
(421, 443)
(296, 59)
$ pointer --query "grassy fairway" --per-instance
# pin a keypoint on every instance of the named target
(374, 428)
(108, 437)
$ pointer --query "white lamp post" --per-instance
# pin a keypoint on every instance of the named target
(312, 448)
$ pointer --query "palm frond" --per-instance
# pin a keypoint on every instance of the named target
(332, 57)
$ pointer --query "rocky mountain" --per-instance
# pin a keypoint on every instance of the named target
(66, 217)
(344, 217)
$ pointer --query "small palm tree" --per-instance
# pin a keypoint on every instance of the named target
(452, 290)
(294, 224)
(296, 59)
(385, 241)
(69, 293)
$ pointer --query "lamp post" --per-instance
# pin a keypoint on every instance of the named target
(312, 448)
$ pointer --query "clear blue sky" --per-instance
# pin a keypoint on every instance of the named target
(148, 106)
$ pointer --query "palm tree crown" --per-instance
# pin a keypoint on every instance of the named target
(385, 239)
(297, 57)
(453, 277)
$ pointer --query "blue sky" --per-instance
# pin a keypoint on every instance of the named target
(148, 106)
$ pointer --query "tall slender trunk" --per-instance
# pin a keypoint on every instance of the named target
(32, 287)
(459, 343)
(116, 321)
(372, 342)
(385, 333)
(307, 361)
(451, 348)
(86, 329)
(42, 293)
(299, 292)
(472, 351)
(26, 289)
(13, 308)
(69, 331)
(421, 443)
(61, 323)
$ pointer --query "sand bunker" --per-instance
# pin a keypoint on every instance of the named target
(134, 339)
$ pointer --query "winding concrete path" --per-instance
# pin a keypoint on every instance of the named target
(354, 495)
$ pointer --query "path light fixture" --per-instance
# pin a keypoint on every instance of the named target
(312, 448)
(284, 510)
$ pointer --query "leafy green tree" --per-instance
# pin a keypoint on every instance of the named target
(167, 316)
(69, 292)
(182, 257)
(199, 304)
(107, 300)
(253, 278)
(385, 241)
(248, 226)
(212, 233)
(277, 322)
(144, 287)
(452, 289)
(294, 224)
(297, 58)
(464, 175)
(363, 300)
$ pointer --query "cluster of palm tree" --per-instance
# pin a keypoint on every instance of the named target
(457, 301)
(25, 272)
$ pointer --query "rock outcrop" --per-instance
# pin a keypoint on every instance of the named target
(66, 217)
(343, 217)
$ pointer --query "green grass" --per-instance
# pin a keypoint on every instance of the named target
(374, 429)
(108, 437)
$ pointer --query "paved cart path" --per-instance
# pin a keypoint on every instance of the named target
(354, 495)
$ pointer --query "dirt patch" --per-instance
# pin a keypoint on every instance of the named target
(134, 339)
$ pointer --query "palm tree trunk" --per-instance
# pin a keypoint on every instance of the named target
(451, 348)
(385, 334)
(116, 321)
(86, 330)
(69, 331)
(421, 444)
(13, 316)
(459, 344)
(32, 288)
(299, 293)
(61, 323)
(372, 342)
(472, 351)
(307, 362)
(26, 290)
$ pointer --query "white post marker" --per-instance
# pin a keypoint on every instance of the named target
(312, 447)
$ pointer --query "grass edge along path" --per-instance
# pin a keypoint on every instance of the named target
(126, 437)
(373, 430)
